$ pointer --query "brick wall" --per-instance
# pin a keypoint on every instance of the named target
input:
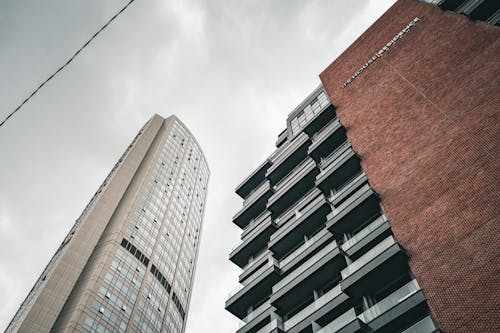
(424, 119)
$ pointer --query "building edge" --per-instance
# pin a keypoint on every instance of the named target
(27, 304)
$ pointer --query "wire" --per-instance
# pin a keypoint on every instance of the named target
(34, 92)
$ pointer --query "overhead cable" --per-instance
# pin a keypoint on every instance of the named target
(34, 92)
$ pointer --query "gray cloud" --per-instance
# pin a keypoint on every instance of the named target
(231, 70)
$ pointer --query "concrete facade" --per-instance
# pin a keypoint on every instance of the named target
(317, 253)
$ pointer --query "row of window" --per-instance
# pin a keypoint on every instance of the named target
(159, 276)
(178, 305)
(135, 252)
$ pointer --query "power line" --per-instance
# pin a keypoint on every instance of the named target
(34, 92)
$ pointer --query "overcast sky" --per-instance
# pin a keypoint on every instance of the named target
(230, 70)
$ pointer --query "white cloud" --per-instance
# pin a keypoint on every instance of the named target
(231, 70)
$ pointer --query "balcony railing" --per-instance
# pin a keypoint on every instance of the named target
(282, 153)
(340, 322)
(304, 211)
(256, 312)
(275, 154)
(302, 248)
(257, 192)
(325, 131)
(292, 174)
(255, 260)
(390, 301)
(364, 232)
(369, 256)
(249, 238)
(325, 162)
(254, 223)
(291, 211)
(352, 199)
(305, 266)
(362, 204)
(311, 308)
(254, 277)
(336, 193)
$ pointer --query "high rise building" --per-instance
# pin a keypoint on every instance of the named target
(378, 211)
(128, 263)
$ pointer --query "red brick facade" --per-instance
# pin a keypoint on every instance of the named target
(424, 119)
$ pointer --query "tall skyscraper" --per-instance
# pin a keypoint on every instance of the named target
(128, 263)
(378, 211)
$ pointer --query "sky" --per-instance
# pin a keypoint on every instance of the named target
(230, 70)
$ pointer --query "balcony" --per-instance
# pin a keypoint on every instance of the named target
(291, 188)
(287, 158)
(383, 262)
(425, 325)
(314, 273)
(260, 260)
(371, 234)
(282, 137)
(304, 222)
(346, 323)
(338, 167)
(474, 9)
(403, 306)
(254, 224)
(291, 211)
(317, 109)
(304, 251)
(320, 308)
(320, 119)
(354, 212)
(253, 241)
(256, 319)
(332, 135)
(257, 286)
(354, 183)
(275, 326)
(253, 180)
(257, 193)
(254, 204)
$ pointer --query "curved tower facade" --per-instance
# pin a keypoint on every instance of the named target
(128, 263)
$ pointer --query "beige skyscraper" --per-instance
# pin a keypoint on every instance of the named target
(128, 263)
